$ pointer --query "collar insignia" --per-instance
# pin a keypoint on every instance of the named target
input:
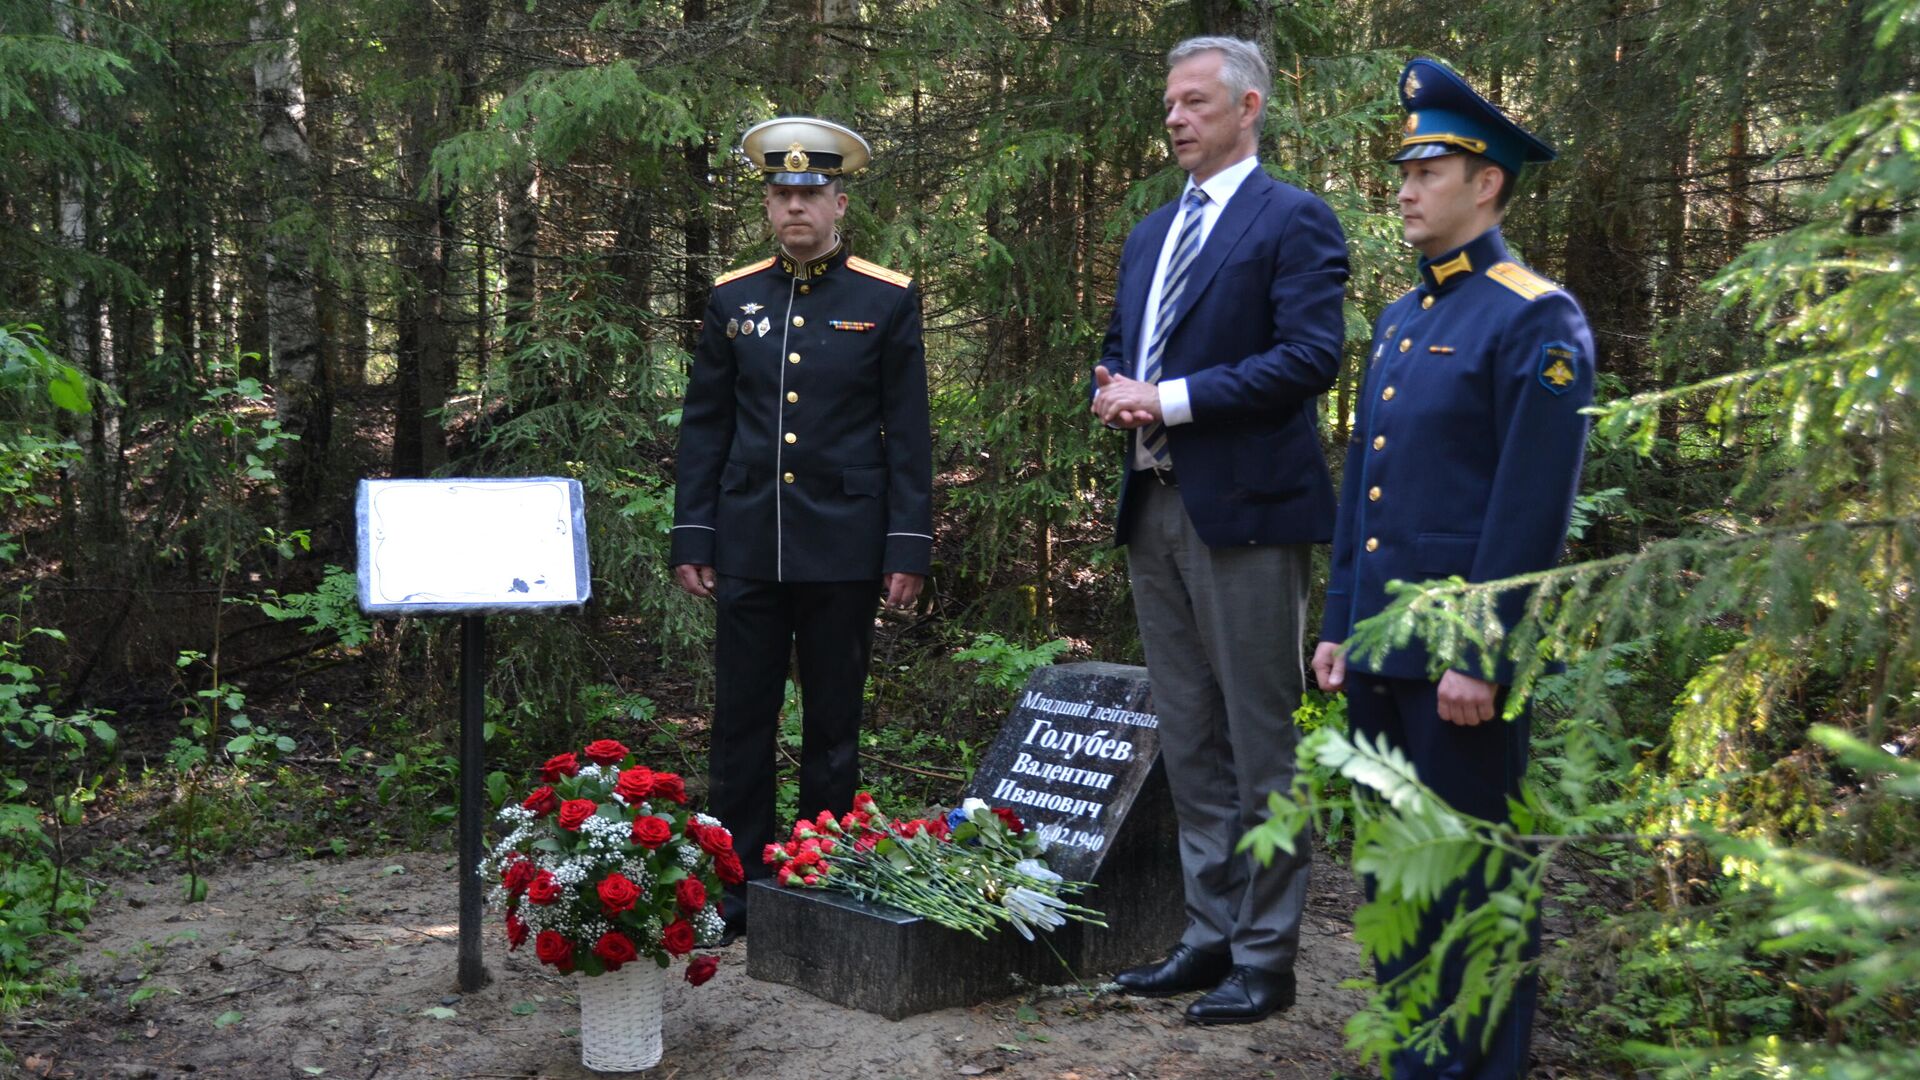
(1459, 264)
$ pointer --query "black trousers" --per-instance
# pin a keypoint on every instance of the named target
(1476, 770)
(761, 627)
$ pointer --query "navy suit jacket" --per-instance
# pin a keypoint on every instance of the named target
(1257, 336)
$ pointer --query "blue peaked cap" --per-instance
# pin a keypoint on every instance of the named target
(1445, 116)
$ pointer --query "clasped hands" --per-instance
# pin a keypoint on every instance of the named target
(1121, 402)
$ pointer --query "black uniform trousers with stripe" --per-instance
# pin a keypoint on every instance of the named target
(763, 630)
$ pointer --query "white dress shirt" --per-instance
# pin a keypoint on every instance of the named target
(1174, 406)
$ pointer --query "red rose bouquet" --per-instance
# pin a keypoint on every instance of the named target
(974, 868)
(603, 865)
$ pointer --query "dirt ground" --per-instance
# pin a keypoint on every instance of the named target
(346, 969)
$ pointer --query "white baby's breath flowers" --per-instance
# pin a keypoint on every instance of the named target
(603, 832)
(708, 926)
(689, 856)
(572, 871)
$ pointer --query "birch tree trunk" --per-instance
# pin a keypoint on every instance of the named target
(302, 401)
(82, 317)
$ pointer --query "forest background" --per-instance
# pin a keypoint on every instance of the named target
(253, 251)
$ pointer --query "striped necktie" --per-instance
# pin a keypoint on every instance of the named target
(1187, 245)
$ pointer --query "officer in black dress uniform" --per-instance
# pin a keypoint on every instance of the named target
(1465, 460)
(804, 483)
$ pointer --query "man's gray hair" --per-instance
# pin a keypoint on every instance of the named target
(1242, 66)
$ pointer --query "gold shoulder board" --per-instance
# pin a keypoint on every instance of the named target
(1521, 280)
(743, 271)
(874, 270)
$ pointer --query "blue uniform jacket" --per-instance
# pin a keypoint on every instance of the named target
(1257, 337)
(1467, 441)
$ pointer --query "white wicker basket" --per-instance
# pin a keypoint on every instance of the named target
(620, 1018)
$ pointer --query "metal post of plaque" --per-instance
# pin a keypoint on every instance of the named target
(469, 548)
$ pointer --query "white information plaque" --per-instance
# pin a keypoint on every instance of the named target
(472, 546)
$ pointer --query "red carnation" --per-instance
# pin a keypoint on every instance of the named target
(677, 938)
(552, 947)
(651, 832)
(713, 839)
(614, 949)
(543, 889)
(773, 853)
(542, 801)
(617, 894)
(690, 894)
(728, 866)
(1011, 820)
(701, 968)
(864, 802)
(605, 752)
(784, 874)
(574, 812)
(520, 873)
(516, 932)
(668, 785)
(939, 827)
(635, 784)
(560, 765)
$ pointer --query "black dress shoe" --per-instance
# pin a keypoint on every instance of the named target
(1247, 994)
(736, 927)
(1184, 969)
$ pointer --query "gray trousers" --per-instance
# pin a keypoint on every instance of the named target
(1222, 631)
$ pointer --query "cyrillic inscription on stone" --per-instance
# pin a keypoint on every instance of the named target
(1072, 756)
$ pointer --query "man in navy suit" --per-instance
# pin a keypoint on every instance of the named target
(1465, 459)
(1226, 328)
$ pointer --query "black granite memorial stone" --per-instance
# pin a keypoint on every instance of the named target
(1077, 759)
(1072, 757)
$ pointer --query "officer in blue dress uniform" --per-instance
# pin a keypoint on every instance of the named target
(1465, 459)
(804, 483)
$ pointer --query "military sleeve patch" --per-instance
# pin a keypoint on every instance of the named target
(1559, 366)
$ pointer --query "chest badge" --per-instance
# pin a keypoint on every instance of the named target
(1443, 350)
(733, 327)
(751, 308)
(765, 325)
(850, 324)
